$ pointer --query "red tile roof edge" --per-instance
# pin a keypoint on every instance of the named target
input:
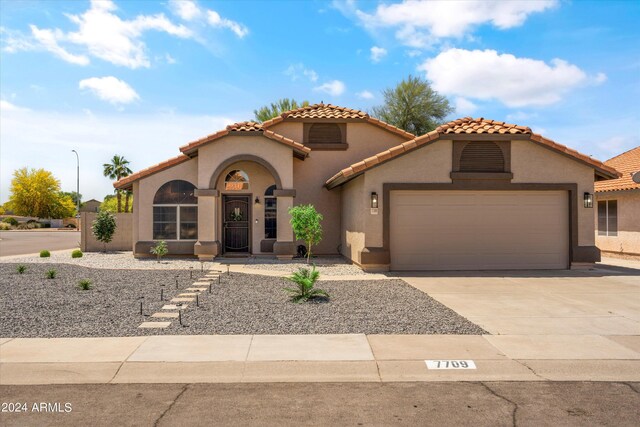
(629, 164)
(124, 182)
(361, 115)
(357, 168)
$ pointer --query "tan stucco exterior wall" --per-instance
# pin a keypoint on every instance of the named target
(309, 176)
(531, 163)
(121, 240)
(431, 163)
(354, 209)
(276, 154)
(146, 190)
(259, 180)
(627, 242)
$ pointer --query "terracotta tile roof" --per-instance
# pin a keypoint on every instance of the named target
(328, 111)
(627, 163)
(465, 125)
(127, 181)
(240, 127)
(482, 125)
(243, 127)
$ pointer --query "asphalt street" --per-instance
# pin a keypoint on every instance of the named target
(328, 404)
(30, 242)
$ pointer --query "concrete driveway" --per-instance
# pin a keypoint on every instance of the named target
(604, 301)
(31, 242)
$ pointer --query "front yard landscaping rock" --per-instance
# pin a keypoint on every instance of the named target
(31, 306)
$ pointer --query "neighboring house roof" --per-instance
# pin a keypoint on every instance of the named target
(127, 181)
(244, 128)
(628, 163)
(333, 112)
(466, 125)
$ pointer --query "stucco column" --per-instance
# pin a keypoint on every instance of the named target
(208, 246)
(285, 245)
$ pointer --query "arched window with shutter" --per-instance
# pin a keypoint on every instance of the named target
(482, 156)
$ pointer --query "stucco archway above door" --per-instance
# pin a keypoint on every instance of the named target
(215, 176)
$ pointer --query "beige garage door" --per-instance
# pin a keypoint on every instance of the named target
(479, 230)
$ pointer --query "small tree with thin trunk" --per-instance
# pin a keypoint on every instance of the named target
(305, 221)
(104, 227)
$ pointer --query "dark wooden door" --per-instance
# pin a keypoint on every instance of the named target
(236, 223)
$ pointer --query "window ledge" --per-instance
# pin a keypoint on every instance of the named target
(327, 146)
(482, 175)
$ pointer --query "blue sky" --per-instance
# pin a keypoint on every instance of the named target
(141, 78)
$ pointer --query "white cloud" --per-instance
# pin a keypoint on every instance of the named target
(377, 53)
(464, 106)
(48, 41)
(365, 94)
(413, 53)
(185, 9)
(97, 137)
(110, 89)
(102, 34)
(296, 71)
(8, 106)
(516, 82)
(421, 24)
(216, 20)
(333, 88)
(170, 59)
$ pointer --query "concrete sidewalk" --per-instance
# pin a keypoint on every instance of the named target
(316, 358)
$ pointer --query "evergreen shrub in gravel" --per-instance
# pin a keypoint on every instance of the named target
(45, 254)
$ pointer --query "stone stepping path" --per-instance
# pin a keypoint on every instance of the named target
(166, 315)
(154, 325)
(196, 289)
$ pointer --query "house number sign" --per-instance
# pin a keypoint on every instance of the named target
(450, 364)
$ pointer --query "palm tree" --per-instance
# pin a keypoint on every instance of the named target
(117, 169)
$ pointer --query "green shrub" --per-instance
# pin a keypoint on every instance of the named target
(305, 221)
(10, 220)
(21, 269)
(84, 284)
(160, 249)
(305, 280)
(76, 254)
(4, 226)
(51, 274)
(104, 227)
(45, 254)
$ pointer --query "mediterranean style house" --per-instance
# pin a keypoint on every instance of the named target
(618, 208)
(472, 194)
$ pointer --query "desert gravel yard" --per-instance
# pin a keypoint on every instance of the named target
(34, 306)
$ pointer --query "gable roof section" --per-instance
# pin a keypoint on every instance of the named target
(334, 112)
(128, 181)
(628, 163)
(246, 128)
(465, 126)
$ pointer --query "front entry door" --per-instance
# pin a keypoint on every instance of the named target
(236, 224)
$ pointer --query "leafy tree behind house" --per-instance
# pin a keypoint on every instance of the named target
(36, 192)
(110, 204)
(305, 221)
(115, 170)
(104, 227)
(414, 106)
(274, 109)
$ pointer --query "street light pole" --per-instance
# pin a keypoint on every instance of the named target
(77, 184)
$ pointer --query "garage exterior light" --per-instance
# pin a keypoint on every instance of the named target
(374, 200)
(588, 200)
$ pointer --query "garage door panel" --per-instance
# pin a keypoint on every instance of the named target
(456, 230)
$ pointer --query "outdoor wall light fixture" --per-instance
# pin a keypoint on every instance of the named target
(257, 201)
(374, 200)
(588, 200)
